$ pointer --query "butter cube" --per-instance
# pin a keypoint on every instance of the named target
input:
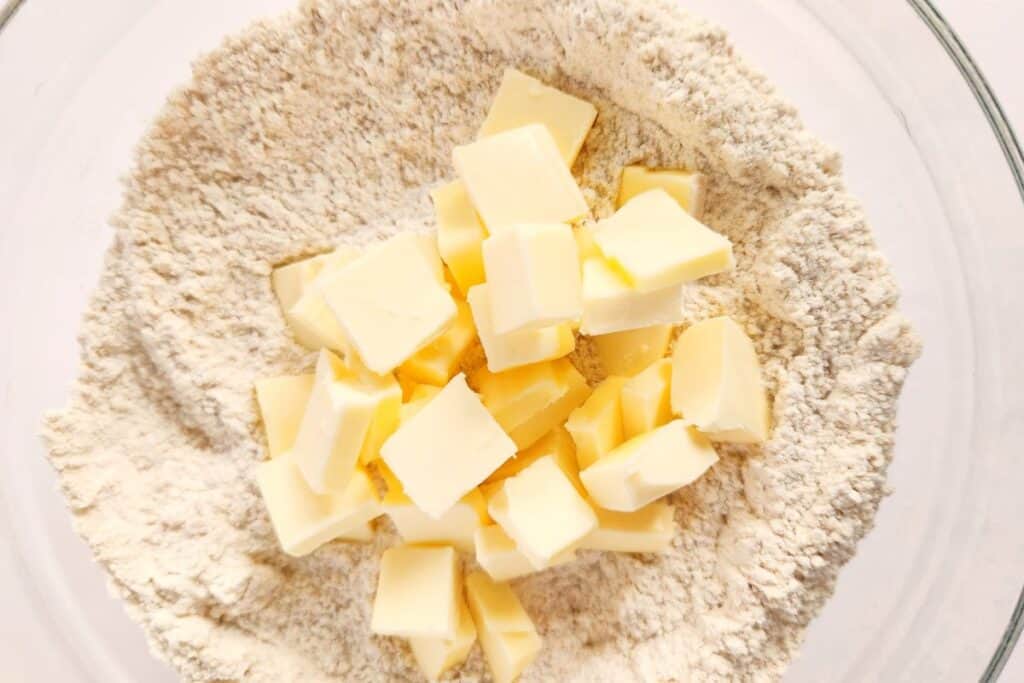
(533, 277)
(459, 234)
(304, 520)
(417, 593)
(630, 351)
(530, 401)
(289, 282)
(684, 187)
(418, 397)
(648, 530)
(716, 382)
(596, 426)
(518, 176)
(507, 634)
(455, 527)
(646, 400)
(438, 361)
(499, 556)
(334, 425)
(386, 393)
(522, 100)
(516, 349)
(391, 301)
(611, 304)
(446, 449)
(656, 244)
(558, 444)
(434, 656)
(282, 401)
(648, 467)
(542, 512)
(298, 291)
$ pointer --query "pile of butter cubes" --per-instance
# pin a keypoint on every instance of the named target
(520, 464)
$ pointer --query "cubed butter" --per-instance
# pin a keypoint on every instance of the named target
(530, 401)
(684, 187)
(290, 281)
(438, 361)
(434, 656)
(541, 510)
(596, 426)
(628, 352)
(459, 234)
(646, 399)
(558, 444)
(522, 100)
(304, 520)
(515, 349)
(417, 593)
(418, 397)
(298, 291)
(532, 277)
(455, 527)
(391, 301)
(611, 304)
(501, 558)
(648, 530)
(656, 244)
(648, 467)
(518, 176)
(387, 394)
(446, 449)
(717, 384)
(282, 401)
(507, 634)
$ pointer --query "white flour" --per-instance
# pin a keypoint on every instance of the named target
(331, 125)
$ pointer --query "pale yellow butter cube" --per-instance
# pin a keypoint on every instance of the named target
(596, 426)
(558, 444)
(459, 234)
(304, 520)
(391, 302)
(507, 634)
(515, 349)
(648, 467)
(522, 100)
(501, 558)
(518, 176)
(438, 361)
(628, 352)
(446, 449)
(541, 510)
(530, 401)
(684, 187)
(417, 593)
(532, 277)
(290, 281)
(648, 530)
(717, 384)
(282, 401)
(611, 304)
(298, 291)
(434, 656)
(455, 527)
(656, 244)
(646, 398)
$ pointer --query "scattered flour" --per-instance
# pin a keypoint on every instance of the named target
(330, 125)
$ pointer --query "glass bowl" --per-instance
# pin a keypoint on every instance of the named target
(933, 593)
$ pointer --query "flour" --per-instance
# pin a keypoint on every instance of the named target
(330, 126)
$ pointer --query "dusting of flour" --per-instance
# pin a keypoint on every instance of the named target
(331, 125)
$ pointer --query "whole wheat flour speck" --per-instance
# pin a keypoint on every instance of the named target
(331, 125)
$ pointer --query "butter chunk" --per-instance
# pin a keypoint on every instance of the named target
(282, 401)
(434, 656)
(518, 176)
(541, 510)
(611, 304)
(507, 634)
(455, 527)
(596, 426)
(391, 301)
(417, 593)
(558, 444)
(438, 361)
(446, 449)
(530, 401)
(522, 100)
(717, 384)
(646, 398)
(532, 277)
(656, 244)
(460, 234)
(501, 558)
(515, 349)
(304, 520)
(290, 281)
(648, 530)
(628, 352)
(648, 467)
(418, 397)
(298, 291)
(684, 187)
